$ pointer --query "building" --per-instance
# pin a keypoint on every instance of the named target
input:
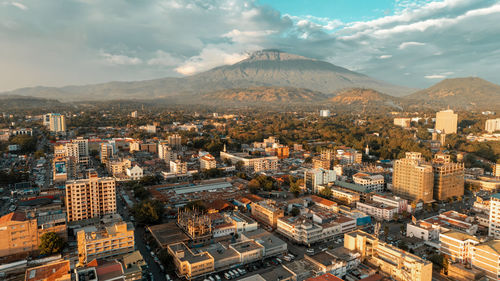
(273, 246)
(105, 241)
(378, 210)
(413, 178)
(253, 164)
(496, 170)
(175, 141)
(430, 228)
(52, 271)
(494, 226)
(135, 173)
(91, 197)
(448, 177)
(189, 264)
(134, 114)
(345, 195)
(207, 162)
(446, 122)
(457, 245)
(106, 152)
(486, 257)
(391, 200)
(375, 183)
(165, 152)
(319, 163)
(490, 184)
(178, 167)
(56, 122)
(324, 113)
(391, 260)
(402, 122)
(20, 232)
(267, 212)
(492, 125)
(305, 231)
(314, 178)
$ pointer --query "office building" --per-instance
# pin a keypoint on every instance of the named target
(448, 177)
(319, 163)
(378, 210)
(486, 257)
(314, 179)
(305, 231)
(91, 197)
(374, 183)
(446, 122)
(457, 245)
(267, 212)
(105, 241)
(52, 271)
(189, 264)
(106, 152)
(252, 164)
(56, 122)
(430, 228)
(165, 152)
(83, 146)
(413, 178)
(400, 265)
(207, 162)
(494, 225)
(391, 200)
(492, 125)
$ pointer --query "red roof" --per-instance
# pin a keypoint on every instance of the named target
(325, 277)
(14, 216)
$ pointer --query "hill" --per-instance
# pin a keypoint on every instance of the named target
(266, 68)
(25, 102)
(364, 97)
(277, 95)
(465, 93)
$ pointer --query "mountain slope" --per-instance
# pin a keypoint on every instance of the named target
(24, 102)
(364, 97)
(268, 68)
(469, 92)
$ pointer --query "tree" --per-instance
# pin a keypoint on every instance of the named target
(295, 211)
(148, 211)
(295, 189)
(239, 165)
(51, 243)
(326, 192)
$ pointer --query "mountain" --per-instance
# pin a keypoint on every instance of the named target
(466, 93)
(25, 102)
(266, 68)
(364, 97)
(265, 95)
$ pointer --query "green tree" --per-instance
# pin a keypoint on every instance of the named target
(51, 243)
(148, 211)
(326, 192)
(295, 211)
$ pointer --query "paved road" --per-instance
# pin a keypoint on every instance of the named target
(152, 265)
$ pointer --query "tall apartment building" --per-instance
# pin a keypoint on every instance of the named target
(175, 141)
(494, 225)
(89, 198)
(105, 241)
(448, 177)
(413, 178)
(178, 167)
(314, 178)
(20, 232)
(165, 152)
(267, 212)
(446, 122)
(400, 265)
(56, 122)
(375, 183)
(83, 146)
(319, 163)
(106, 152)
(207, 162)
(492, 125)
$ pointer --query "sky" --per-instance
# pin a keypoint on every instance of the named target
(413, 43)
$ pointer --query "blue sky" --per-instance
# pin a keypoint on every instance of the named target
(413, 43)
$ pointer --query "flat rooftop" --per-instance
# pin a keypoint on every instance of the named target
(167, 233)
(246, 246)
(188, 255)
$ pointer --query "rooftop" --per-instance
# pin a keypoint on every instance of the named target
(324, 277)
(49, 272)
(168, 233)
(459, 235)
(185, 254)
(246, 246)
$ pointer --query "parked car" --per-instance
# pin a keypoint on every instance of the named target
(227, 276)
(168, 277)
(211, 278)
(310, 251)
(217, 277)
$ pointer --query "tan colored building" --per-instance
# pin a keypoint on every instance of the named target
(319, 163)
(89, 198)
(448, 177)
(105, 241)
(267, 212)
(207, 162)
(253, 164)
(189, 264)
(457, 245)
(402, 122)
(486, 257)
(55, 271)
(494, 224)
(106, 152)
(57, 122)
(20, 233)
(446, 122)
(400, 265)
(413, 178)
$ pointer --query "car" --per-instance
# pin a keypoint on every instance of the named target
(211, 278)
(310, 251)
(217, 277)
(279, 260)
(287, 258)
(232, 274)
(227, 276)
(168, 277)
(240, 271)
(236, 273)
(206, 279)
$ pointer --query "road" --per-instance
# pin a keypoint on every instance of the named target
(152, 265)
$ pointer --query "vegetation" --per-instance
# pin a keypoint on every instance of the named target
(51, 243)
(148, 211)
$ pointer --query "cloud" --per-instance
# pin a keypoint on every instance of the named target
(121, 59)
(19, 5)
(209, 57)
(385, 57)
(164, 59)
(405, 45)
(435, 76)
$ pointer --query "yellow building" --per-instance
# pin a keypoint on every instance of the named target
(267, 212)
(457, 245)
(400, 265)
(448, 177)
(446, 122)
(89, 198)
(486, 257)
(189, 264)
(105, 241)
(413, 178)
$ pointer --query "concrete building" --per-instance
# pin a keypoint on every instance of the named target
(400, 265)
(175, 141)
(91, 197)
(319, 163)
(378, 210)
(135, 173)
(430, 228)
(252, 164)
(374, 183)
(267, 212)
(446, 122)
(207, 162)
(52, 271)
(494, 226)
(165, 152)
(324, 113)
(492, 125)
(106, 152)
(345, 195)
(402, 122)
(314, 178)
(178, 167)
(448, 177)
(305, 231)
(273, 246)
(486, 257)
(105, 241)
(391, 200)
(189, 264)
(457, 245)
(413, 178)
(56, 122)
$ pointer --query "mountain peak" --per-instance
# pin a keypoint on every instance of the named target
(273, 55)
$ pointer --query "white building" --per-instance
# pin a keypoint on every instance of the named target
(377, 210)
(207, 162)
(314, 178)
(178, 167)
(324, 113)
(166, 153)
(135, 173)
(305, 231)
(392, 200)
(492, 125)
(494, 228)
(254, 164)
(375, 183)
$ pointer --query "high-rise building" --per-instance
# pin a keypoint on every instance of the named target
(492, 125)
(319, 163)
(106, 152)
(315, 178)
(57, 122)
(448, 177)
(446, 122)
(175, 141)
(166, 153)
(178, 167)
(134, 114)
(207, 162)
(89, 198)
(413, 178)
(494, 226)
(83, 146)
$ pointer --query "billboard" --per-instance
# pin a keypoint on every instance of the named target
(60, 167)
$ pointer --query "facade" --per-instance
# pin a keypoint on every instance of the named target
(494, 226)
(446, 122)
(448, 177)
(258, 164)
(89, 198)
(486, 257)
(106, 152)
(189, 264)
(105, 241)
(207, 162)
(345, 195)
(319, 163)
(306, 231)
(178, 167)
(166, 153)
(430, 228)
(413, 178)
(391, 200)
(135, 173)
(314, 178)
(457, 245)
(402, 122)
(56, 122)
(391, 260)
(267, 212)
(374, 183)
(378, 210)
(492, 125)
(175, 141)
